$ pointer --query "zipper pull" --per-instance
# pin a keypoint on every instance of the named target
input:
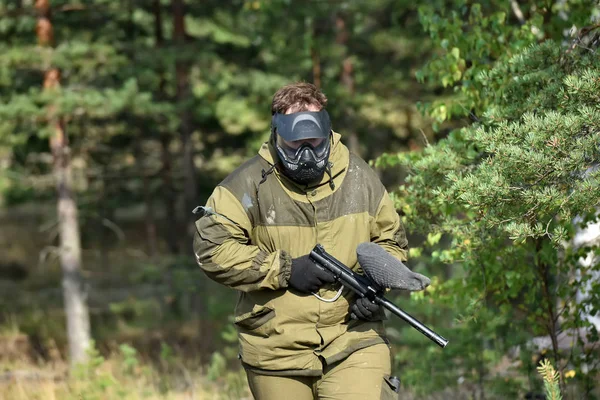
(204, 211)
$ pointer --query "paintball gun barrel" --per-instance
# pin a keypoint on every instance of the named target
(365, 287)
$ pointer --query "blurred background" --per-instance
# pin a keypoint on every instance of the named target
(117, 118)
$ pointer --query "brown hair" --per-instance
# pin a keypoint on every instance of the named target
(297, 96)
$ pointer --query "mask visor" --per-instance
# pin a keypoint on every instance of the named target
(302, 125)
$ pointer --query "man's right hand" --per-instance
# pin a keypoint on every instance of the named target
(306, 276)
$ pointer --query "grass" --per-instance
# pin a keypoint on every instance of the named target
(148, 334)
(123, 376)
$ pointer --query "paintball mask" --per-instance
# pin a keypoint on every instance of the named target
(304, 163)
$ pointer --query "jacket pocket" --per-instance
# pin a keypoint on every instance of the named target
(210, 230)
(256, 318)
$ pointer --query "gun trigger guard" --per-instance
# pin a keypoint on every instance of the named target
(337, 296)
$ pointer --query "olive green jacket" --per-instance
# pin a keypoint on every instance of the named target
(266, 220)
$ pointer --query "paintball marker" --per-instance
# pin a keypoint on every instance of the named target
(381, 271)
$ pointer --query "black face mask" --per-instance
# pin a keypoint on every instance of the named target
(306, 164)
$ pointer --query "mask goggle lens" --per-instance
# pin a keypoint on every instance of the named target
(292, 150)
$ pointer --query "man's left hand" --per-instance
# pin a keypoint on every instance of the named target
(365, 310)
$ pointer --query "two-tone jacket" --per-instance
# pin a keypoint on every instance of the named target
(264, 221)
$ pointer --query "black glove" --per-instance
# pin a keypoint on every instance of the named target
(306, 276)
(364, 309)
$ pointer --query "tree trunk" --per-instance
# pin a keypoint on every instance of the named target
(78, 320)
(548, 297)
(190, 190)
(347, 80)
(182, 71)
(150, 220)
(168, 195)
(149, 215)
(106, 213)
(76, 310)
(315, 57)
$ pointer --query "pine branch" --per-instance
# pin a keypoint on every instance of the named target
(551, 378)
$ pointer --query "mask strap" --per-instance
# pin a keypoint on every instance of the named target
(328, 170)
(265, 174)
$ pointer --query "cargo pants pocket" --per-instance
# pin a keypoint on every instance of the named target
(389, 388)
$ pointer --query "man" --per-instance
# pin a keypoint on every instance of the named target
(301, 336)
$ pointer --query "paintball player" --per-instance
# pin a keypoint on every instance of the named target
(301, 336)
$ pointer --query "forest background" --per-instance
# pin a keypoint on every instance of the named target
(482, 118)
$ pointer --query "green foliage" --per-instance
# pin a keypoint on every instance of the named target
(217, 366)
(493, 202)
(234, 381)
(504, 193)
(130, 361)
(473, 37)
(118, 87)
(167, 355)
(95, 382)
(496, 201)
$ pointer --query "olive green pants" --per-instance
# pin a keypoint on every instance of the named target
(361, 376)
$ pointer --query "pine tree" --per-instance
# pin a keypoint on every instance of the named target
(57, 90)
(506, 191)
(76, 310)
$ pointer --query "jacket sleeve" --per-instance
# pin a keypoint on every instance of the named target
(387, 229)
(225, 253)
